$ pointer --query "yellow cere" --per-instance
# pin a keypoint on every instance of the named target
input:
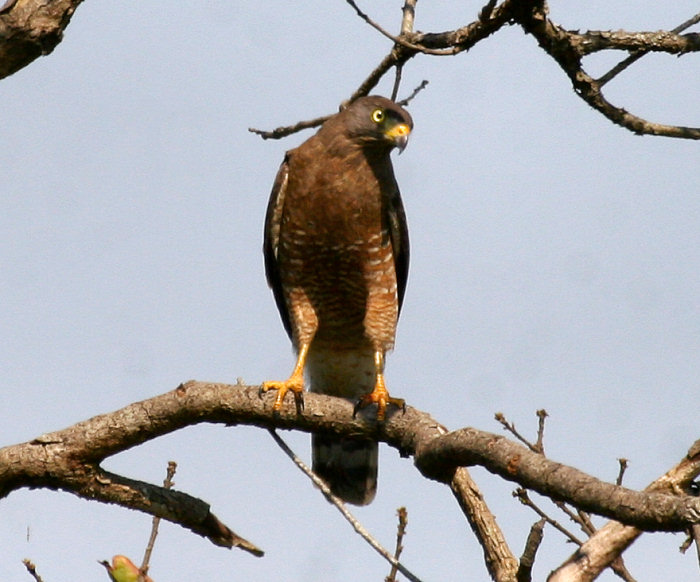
(399, 130)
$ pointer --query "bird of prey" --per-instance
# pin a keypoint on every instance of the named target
(336, 258)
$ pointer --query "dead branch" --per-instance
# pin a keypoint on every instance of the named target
(30, 29)
(510, 427)
(636, 55)
(31, 568)
(340, 506)
(610, 541)
(284, 131)
(498, 557)
(400, 533)
(621, 473)
(146, 562)
(649, 510)
(69, 459)
(532, 544)
(524, 498)
(566, 47)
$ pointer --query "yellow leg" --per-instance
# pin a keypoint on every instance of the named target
(295, 383)
(380, 395)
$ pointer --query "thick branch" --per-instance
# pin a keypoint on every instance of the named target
(498, 557)
(650, 511)
(451, 42)
(30, 29)
(658, 41)
(68, 459)
(567, 49)
(62, 461)
(610, 541)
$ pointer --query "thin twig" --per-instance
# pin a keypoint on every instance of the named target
(400, 532)
(621, 474)
(694, 530)
(409, 14)
(635, 56)
(574, 516)
(399, 40)
(524, 498)
(31, 568)
(486, 12)
(407, 100)
(397, 81)
(510, 427)
(586, 524)
(583, 520)
(539, 445)
(532, 544)
(393, 59)
(340, 506)
(284, 131)
(695, 533)
(167, 483)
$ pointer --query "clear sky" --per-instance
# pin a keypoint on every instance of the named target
(555, 264)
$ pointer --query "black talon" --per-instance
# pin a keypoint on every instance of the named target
(299, 402)
(356, 408)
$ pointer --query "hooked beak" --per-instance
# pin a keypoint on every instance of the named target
(398, 135)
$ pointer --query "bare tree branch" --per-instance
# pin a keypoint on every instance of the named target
(498, 557)
(31, 568)
(524, 498)
(658, 41)
(491, 19)
(340, 506)
(284, 131)
(406, 100)
(695, 535)
(647, 510)
(30, 29)
(567, 48)
(510, 427)
(146, 562)
(610, 541)
(69, 460)
(532, 544)
(400, 532)
(621, 473)
(405, 32)
(636, 55)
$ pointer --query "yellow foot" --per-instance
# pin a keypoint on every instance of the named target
(380, 396)
(295, 383)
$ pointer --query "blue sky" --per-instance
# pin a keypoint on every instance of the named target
(555, 264)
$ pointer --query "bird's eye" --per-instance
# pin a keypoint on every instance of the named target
(378, 116)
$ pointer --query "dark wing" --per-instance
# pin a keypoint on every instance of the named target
(273, 218)
(398, 234)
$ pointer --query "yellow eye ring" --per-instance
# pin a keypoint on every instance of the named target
(378, 115)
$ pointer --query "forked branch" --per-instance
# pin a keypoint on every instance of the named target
(69, 460)
(567, 47)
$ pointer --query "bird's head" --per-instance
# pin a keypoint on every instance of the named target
(378, 122)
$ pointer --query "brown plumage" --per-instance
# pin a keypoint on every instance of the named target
(336, 257)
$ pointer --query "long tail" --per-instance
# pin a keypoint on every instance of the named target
(349, 466)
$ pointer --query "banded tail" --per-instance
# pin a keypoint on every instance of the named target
(349, 466)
